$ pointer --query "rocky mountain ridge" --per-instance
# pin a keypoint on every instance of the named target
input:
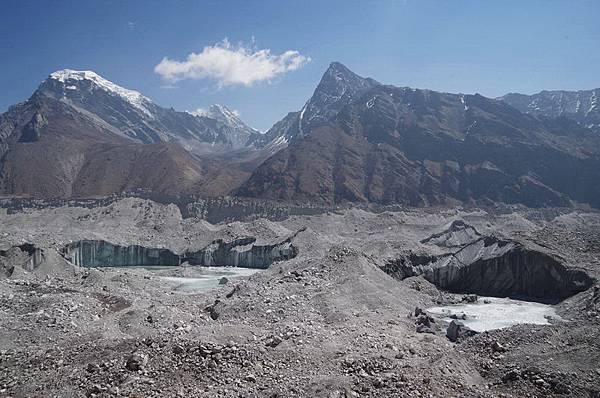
(355, 140)
(136, 117)
(581, 106)
(388, 144)
(338, 87)
(80, 135)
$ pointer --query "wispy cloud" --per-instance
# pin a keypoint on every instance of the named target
(231, 65)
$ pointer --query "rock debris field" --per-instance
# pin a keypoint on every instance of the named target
(344, 316)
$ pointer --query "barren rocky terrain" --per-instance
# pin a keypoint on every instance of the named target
(328, 322)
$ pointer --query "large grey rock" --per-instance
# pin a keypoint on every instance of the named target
(137, 361)
(457, 331)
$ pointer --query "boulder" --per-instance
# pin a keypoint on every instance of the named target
(511, 375)
(470, 298)
(425, 320)
(137, 361)
(424, 329)
(497, 347)
(461, 316)
(457, 331)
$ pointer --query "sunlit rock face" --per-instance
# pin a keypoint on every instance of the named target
(495, 267)
(238, 253)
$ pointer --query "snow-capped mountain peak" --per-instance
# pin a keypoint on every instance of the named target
(220, 111)
(338, 87)
(224, 115)
(239, 132)
(70, 78)
(132, 115)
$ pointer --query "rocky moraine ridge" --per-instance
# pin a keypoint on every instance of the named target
(339, 308)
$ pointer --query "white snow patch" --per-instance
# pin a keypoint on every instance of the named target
(593, 103)
(462, 99)
(281, 140)
(133, 97)
(302, 117)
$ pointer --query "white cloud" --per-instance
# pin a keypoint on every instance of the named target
(231, 65)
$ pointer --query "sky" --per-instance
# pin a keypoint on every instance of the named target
(264, 58)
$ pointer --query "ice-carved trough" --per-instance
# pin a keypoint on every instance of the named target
(241, 252)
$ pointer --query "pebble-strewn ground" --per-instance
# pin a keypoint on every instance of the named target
(328, 323)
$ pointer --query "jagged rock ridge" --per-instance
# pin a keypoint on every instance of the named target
(389, 144)
(136, 117)
(80, 135)
(581, 106)
(338, 87)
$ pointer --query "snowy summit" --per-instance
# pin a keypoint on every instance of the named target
(67, 76)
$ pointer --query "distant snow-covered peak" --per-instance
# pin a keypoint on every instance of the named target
(216, 110)
(69, 76)
(223, 114)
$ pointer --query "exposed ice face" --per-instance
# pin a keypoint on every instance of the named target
(71, 76)
(497, 313)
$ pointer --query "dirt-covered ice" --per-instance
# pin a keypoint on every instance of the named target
(326, 323)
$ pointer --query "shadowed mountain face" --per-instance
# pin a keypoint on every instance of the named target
(580, 106)
(387, 144)
(81, 135)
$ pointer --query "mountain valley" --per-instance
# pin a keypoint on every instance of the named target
(148, 252)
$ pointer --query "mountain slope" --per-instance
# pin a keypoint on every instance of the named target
(60, 152)
(581, 106)
(81, 135)
(136, 117)
(338, 87)
(420, 147)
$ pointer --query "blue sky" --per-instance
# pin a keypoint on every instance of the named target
(490, 47)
